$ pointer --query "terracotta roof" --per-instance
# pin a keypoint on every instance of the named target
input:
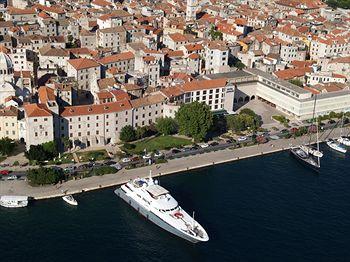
(9, 111)
(37, 110)
(116, 58)
(131, 87)
(96, 109)
(148, 100)
(204, 84)
(292, 73)
(172, 91)
(46, 94)
(117, 95)
(83, 63)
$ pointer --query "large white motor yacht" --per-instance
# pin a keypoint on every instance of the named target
(13, 201)
(157, 205)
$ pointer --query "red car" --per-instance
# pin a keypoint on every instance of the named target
(4, 172)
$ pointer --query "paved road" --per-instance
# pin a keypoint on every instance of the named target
(172, 166)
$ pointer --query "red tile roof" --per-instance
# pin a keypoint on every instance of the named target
(106, 108)
(83, 63)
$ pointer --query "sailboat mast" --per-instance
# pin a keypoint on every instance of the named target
(313, 117)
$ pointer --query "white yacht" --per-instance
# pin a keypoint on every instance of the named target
(336, 146)
(13, 201)
(70, 200)
(344, 140)
(157, 205)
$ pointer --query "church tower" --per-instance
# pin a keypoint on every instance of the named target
(191, 10)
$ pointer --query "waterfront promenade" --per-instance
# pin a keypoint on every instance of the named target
(21, 187)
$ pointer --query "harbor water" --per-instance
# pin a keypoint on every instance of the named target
(267, 208)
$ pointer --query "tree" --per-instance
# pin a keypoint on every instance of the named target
(7, 146)
(51, 148)
(194, 119)
(214, 34)
(141, 132)
(339, 3)
(44, 176)
(127, 134)
(247, 118)
(45, 151)
(67, 143)
(166, 126)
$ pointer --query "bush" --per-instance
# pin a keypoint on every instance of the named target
(282, 119)
(128, 146)
(44, 176)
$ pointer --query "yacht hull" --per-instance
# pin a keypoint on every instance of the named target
(304, 162)
(152, 217)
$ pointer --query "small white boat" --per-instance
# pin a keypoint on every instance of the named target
(70, 200)
(344, 140)
(336, 146)
(13, 201)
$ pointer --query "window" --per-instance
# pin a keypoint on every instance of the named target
(97, 132)
(35, 120)
(36, 134)
(45, 119)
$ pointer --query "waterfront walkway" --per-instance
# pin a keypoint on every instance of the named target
(21, 187)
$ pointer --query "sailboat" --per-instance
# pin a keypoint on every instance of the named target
(343, 139)
(307, 154)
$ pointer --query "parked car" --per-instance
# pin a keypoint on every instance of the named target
(109, 163)
(126, 160)
(69, 169)
(241, 138)
(4, 172)
(205, 145)
(12, 177)
(158, 154)
(147, 156)
(214, 143)
(175, 151)
(117, 166)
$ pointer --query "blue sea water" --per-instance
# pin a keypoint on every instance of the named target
(268, 208)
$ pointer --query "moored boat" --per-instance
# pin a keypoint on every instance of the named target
(70, 200)
(13, 201)
(344, 140)
(157, 205)
(336, 146)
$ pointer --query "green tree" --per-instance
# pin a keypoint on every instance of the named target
(214, 34)
(239, 122)
(166, 126)
(127, 134)
(44, 176)
(141, 132)
(7, 146)
(194, 119)
(339, 3)
(51, 149)
(36, 152)
(67, 143)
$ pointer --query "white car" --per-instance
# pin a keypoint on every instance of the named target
(158, 154)
(126, 160)
(241, 138)
(205, 145)
(117, 166)
(12, 177)
(147, 156)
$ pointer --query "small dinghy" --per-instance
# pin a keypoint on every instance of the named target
(70, 200)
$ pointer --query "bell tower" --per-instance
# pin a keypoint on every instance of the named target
(191, 10)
